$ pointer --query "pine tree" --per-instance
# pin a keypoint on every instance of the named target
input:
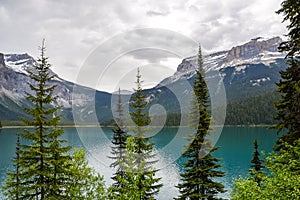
(143, 147)
(288, 109)
(200, 169)
(257, 164)
(119, 148)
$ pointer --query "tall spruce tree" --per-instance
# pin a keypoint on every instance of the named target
(119, 146)
(288, 109)
(144, 156)
(200, 169)
(257, 164)
(43, 160)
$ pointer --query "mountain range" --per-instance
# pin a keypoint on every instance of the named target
(249, 73)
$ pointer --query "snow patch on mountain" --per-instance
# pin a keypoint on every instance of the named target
(266, 58)
(19, 62)
(257, 82)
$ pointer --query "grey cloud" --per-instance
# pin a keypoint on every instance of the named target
(156, 13)
(73, 29)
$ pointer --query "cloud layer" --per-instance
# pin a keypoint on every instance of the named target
(73, 29)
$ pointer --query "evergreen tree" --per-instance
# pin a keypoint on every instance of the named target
(143, 147)
(288, 109)
(119, 148)
(201, 167)
(257, 163)
(44, 169)
(43, 159)
(131, 189)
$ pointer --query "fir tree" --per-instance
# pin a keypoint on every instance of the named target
(143, 147)
(257, 163)
(200, 169)
(119, 148)
(288, 109)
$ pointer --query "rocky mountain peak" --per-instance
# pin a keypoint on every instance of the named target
(257, 51)
(254, 48)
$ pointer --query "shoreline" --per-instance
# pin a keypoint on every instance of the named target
(109, 126)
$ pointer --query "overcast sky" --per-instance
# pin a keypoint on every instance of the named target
(78, 31)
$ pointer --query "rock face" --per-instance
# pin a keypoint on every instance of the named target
(2, 64)
(254, 48)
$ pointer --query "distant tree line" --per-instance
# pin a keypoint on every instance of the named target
(253, 111)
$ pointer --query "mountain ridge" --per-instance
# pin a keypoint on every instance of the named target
(247, 70)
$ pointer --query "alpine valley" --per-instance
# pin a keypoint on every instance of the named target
(249, 73)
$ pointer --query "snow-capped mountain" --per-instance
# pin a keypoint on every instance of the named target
(13, 85)
(257, 51)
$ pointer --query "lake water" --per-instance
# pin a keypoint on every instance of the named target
(236, 148)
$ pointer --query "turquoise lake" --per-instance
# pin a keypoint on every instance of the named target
(236, 148)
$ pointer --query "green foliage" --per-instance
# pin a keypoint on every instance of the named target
(142, 146)
(291, 12)
(84, 183)
(281, 183)
(200, 169)
(288, 108)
